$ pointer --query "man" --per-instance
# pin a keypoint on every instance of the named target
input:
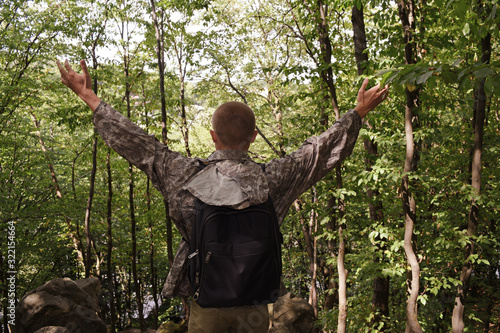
(227, 178)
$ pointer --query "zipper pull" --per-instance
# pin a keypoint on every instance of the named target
(192, 255)
(207, 258)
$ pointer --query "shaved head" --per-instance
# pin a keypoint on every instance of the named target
(234, 124)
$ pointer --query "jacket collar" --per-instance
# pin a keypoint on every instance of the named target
(219, 155)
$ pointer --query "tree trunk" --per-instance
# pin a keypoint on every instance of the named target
(128, 297)
(407, 15)
(412, 324)
(161, 70)
(313, 229)
(151, 241)
(111, 288)
(409, 211)
(311, 248)
(478, 125)
(137, 287)
(182, 69)
(160, 54)
(380, 297)
(88, 208)
(336, 214)
(326, 56)
(342, 319)
(359, 38)
(184, 128)
(133, 227)
(118, 295)
(152, 256)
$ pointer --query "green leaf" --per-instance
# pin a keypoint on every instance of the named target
(466, 29)
(488, 86)
(423, 78)
(483, 72)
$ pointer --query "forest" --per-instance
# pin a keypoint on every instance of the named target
(401, 237)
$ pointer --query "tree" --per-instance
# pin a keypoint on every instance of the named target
(109, 265)
(407, 14)
(125, 16)
(380, 298)
(160, 54)
(96, 32)
(183, 46)
(478, 120)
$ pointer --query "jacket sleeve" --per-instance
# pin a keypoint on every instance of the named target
(295, 173)
(144, 151)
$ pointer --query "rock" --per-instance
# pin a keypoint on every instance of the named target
(170, 327)
(70, 305)
(92, 287)
(292, 315)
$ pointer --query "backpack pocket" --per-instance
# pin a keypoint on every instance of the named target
(244, 274)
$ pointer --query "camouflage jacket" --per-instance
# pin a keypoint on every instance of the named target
(230, 177)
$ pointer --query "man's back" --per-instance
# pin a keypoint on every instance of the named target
(170, 172)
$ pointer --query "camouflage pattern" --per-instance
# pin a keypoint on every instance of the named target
(226, 178)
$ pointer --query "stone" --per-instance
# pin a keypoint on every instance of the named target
(92, 287)
(171, 327)
(292, 314)
(61, 303)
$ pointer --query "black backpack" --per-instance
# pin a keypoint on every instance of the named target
(235, 255)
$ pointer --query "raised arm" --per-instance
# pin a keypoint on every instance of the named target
(295, 173)
(80, 84)
(167, 170)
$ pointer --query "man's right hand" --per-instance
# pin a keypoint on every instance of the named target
(80, 84)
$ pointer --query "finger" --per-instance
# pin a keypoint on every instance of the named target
(67, 66)
(63, 73)
(385, 88)
(85, 71)
(365, 84)
(60, 66)
(385, 93)
(83, 64)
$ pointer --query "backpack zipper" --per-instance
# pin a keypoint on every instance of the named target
(194, 254)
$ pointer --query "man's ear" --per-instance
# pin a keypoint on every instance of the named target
(254, 136)
(215, 139)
